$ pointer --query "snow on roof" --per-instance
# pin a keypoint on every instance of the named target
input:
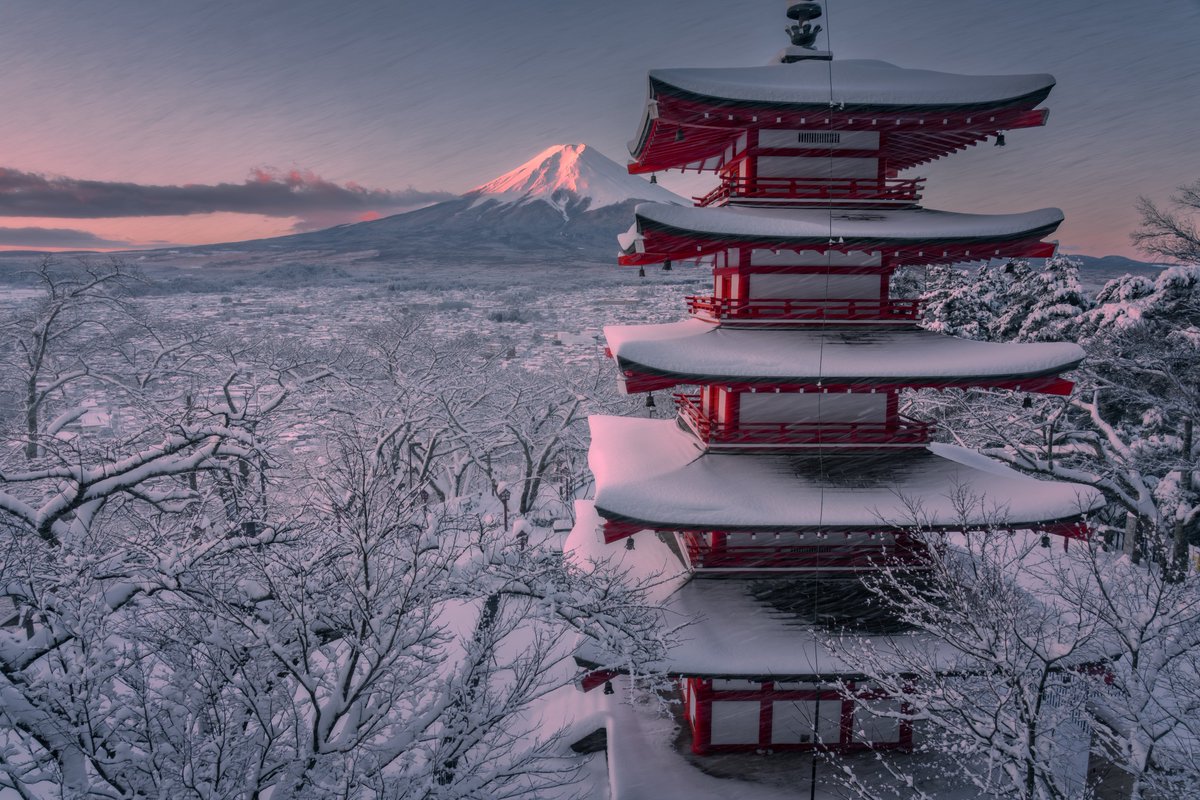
(854, 82)
(822, 224)
(652, 472)
(734, 634)
(651, 562)
(577, 169)
(692, 349)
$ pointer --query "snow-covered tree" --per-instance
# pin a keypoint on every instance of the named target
(204, 610)
(55, 341)
(1128, 429)
(1171, 234)
(994, 668)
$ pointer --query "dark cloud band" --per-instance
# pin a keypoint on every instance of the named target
(268, 192)
(54, 237)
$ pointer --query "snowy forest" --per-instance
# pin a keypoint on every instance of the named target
(240, 562)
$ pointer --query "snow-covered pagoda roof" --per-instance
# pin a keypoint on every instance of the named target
(651, 473)
(910, 235)
(692, 115)
(692, 351)
(860, 84)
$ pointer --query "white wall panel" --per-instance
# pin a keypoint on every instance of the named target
(735, 721)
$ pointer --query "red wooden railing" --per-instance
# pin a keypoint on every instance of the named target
(874, 190)
(903, 431)
(795, 309)
(867, 555)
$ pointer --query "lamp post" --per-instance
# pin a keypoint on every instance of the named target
(504, 494)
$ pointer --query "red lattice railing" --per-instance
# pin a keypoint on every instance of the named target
(804, 310)
(904, 191)
(858, 557)
(903, 431)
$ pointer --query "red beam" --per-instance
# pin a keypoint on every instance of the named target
(636, 382)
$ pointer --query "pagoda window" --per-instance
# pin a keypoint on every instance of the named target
(815, 287)
(817, 168)
(873, 729)
(792, 721)
(776, 139)
(855, 408)
(735, 722)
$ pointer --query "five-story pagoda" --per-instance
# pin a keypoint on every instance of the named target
(789, 470)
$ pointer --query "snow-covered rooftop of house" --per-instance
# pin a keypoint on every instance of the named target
(822, 224)
(854, 82)
(570, 172)
(692, 350)
(651, 472)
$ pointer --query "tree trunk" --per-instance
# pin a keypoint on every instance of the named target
(31, 421)
(1179, 557)
(1131, 544)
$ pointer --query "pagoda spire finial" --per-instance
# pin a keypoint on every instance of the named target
(803, 33)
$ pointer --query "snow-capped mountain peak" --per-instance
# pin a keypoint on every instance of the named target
(564, 176)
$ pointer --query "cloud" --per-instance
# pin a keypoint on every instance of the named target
(270, 192)
(54, 237)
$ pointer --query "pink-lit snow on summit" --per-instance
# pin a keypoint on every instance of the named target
(567, 173)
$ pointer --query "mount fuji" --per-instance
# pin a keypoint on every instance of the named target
(569, 200)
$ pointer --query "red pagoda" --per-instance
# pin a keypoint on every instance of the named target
(789, 471)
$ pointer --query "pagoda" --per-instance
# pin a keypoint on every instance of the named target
(789, 470)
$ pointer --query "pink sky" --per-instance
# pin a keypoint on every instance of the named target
(445, 97)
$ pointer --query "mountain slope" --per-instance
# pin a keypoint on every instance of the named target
(569, 176)
(567, 200)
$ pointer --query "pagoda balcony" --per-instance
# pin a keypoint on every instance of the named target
(809, 191)
(868, 556)
(774, 310)
(717, 435)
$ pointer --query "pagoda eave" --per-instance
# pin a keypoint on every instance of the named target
(617, 528)
(684, 130)
(697, 352)
(656, 241)
(688, 144)
(649, 473)
(663, 247)
(635, 381)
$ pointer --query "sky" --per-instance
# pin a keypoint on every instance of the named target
(154, 122)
